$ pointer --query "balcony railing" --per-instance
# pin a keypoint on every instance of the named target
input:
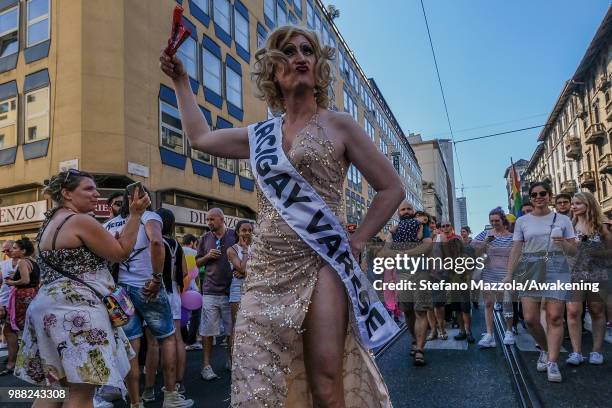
(605, 163)
(595, 133)
(569, 186)
(573, 148)
(587, 179)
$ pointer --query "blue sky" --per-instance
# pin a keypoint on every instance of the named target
(503, 65)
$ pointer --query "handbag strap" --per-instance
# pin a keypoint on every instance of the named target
(59, 270)
(550, 235)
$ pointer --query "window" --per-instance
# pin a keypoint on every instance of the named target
(233, 87)
(297, 4)
(38, 22)
(171, 129)
(369, 129)
(245, 169)
(222, 15)
(188, 56)
(37, 115)
(200, 156)
(317, 24)
(261, 40)
(9, 25)
(8, 123)
(310, 15)
(226, 164)
(241, 30)
(212, 71)
(269, 9)
(281, 15)
(349, 105)
(202, 4)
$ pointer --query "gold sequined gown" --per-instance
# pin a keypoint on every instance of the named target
(268, 365)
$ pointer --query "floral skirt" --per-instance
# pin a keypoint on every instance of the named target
(68, 335)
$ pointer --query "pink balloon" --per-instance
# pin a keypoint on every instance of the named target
(191, 300)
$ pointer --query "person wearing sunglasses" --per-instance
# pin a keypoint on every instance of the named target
(114, 203)
(541, 242)
(216, 309)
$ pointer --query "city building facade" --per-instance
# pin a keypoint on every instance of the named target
(438, 186)
(575, 152)
(80, 87)
(462, 211)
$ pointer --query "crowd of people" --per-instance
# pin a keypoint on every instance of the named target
(290, 299)
(570, 244)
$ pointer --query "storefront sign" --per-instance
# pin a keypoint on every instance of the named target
(23, 213)
(102, 210)
(188, 216)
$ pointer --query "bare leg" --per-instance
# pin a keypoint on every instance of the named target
(133, 376)
(439, 313)
(431, 319)
(554, 320)
(208, 345)
(489, 301)
(466, 322)
(420, 328)
(574, 326)
(152, 359)
(181, 354)
(325, 331)
(80, 396)
(598, 323)
(12, 345)
(168, 356)
(531, 315)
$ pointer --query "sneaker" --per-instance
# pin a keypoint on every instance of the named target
(542, 362)
(552, 372)
(178, 387)
(497, 307)
(194, 346)
(175, 400)
(208, 374)
(461, 336)
(509, 337)
(148, 395)
(470, 338)
(596, 358)
(487, 341)
(575, 359)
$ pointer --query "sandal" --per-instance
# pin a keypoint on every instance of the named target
(432, 336)
(443, 335)
(419, 358)
(7, 371)
(413, 349)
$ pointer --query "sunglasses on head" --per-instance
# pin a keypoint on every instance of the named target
(539, 193)
(69, 172)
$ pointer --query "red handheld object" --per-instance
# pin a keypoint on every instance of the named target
(179, 32)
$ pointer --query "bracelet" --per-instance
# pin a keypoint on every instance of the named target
(157, 278)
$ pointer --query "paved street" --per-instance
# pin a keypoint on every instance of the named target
(457, 375)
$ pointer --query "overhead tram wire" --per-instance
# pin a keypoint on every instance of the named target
(498, 134)
(450, 128)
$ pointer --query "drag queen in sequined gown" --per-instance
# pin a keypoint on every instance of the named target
(294, 346)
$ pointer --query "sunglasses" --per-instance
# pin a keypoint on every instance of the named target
(540, 193)
(445, 225)
(69, 172)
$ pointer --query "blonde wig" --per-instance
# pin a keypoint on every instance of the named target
(593, 215)
(270, 56)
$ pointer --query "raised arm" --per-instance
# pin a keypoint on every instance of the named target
(103, 244)
(378, 172)
(229, 143)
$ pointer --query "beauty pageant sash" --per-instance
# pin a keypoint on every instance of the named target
(310, 217)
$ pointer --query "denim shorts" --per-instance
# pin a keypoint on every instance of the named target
(156, 313)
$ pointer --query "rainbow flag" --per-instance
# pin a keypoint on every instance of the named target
(517, 202)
